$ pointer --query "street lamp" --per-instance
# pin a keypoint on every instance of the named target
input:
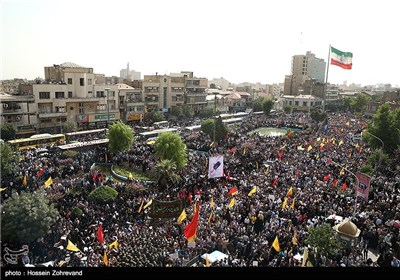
(108, 106)
(383, 144)
(215, 113)
(355, 190)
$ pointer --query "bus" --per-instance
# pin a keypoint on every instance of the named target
(77, 145)
(193, 128)
(233, 121)
(37, 140)
(86, 135)
(155, 133)
(159, 125)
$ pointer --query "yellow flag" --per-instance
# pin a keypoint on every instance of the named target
(232, 203)
(294, 239)
(300, 148)
(141, 206)
(209, 218)
(292, 205)
(284, 203)
(244, 151)
(105, 259)
(71, 247)
(305, 257)
(290, 192)
(256, 165)
(275, 244)
(212, 203)
(25, 181)
(181, 217)
(341, 172)
(253, 191)
(2, 189)
(207, 261)
(48, 182)
(317, 156)
(318, 139)
(340, 142)
(130, 176)
(113, 245)
(309, 148)
(148, 204)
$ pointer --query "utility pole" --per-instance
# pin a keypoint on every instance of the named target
(108, 106)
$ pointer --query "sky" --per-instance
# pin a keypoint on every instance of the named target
(241, 41)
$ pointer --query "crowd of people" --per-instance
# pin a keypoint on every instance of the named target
(314, 163)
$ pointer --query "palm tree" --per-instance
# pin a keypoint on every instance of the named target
(167, 175)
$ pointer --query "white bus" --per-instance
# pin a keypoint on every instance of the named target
(159, 125)
(155, 133)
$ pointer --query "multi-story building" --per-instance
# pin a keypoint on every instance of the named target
(220, 83)
(70, 93)
(304, 67)
(195, 91)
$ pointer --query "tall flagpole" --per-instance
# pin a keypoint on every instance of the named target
(326, 78)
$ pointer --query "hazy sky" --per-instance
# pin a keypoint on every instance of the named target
(242, 41)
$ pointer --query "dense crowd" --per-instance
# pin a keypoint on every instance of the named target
(246, 231)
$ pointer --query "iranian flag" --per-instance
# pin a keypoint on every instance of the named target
(341, 59)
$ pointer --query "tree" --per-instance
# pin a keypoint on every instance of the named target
(207, 126)
(27, 217)
(69, 126)
(176, 111)
(378, 159)
(120, 137)
(318, 116)
(359, 103)
(103, 194)
(166, 170)
(287, 109)
(188, 111)
(8, 158)
(220, 130)
(267, 105)
(384, 126)
(169, 146)
(156, 116)
(206, 113)
(323, 239)
(8, 132)
(258, 104)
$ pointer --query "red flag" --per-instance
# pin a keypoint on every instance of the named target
(275, 182)
(329, 160)
(100, 235)
(334, 183)
(41, 172)
(344, 187)
(232, 191)
(297, 172)
(232, 150)
(191, 228)
(280, 154)
(326, 177)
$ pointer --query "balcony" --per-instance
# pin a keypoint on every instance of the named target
(12, 111)
(51, 115)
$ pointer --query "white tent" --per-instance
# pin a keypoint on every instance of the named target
(215, 256)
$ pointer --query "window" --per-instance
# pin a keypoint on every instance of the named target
(69, 94)
(59, 94)
(60, 109)
(165, 98)
(89, 81)
(296, 103)
(82, 81)
(70, 81)
(100, 94)
(44, 95)
(45, 120)
(81, 108)
(304, 103)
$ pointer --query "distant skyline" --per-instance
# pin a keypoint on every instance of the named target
(241, 41)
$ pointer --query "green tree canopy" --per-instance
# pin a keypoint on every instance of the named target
(156, 116)
(318, 116)
(287, 109)
(69, 126)
(206, 113)
(359, 103)
(188, 111)
(258, 104)
(167, 173)
(8, 158)
(323, 239)
(221, 130)
(7, 132)
(120, 137)
(169, 146)
(267, 106)
(384, 126)
(176, 111)
(103, 194)
(27, 217)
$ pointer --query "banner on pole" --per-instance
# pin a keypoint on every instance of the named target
(363, 185)
(216, 167)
